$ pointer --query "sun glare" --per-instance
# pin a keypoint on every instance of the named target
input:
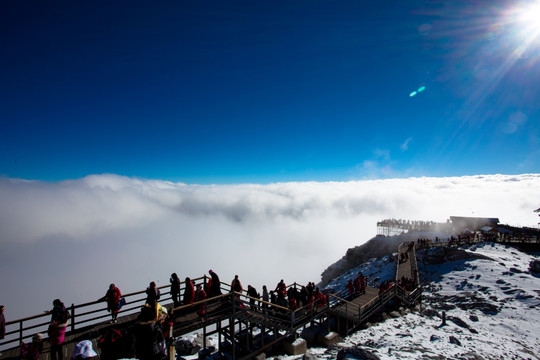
(529, 16)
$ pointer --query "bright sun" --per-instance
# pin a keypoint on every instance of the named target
(529, 17)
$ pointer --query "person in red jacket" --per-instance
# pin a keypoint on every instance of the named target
(200, 295)
(236, 286)
(320, 298)
(189, 292)
(113, 297)
(281, 288)
(363, 284)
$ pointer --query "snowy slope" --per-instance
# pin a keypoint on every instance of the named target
(491, 302)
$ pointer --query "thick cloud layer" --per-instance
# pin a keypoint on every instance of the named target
(71, 239)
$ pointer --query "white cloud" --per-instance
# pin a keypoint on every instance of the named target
(59, 238)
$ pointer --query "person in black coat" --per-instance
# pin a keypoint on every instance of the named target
(152, 296)
(175, 289)
(216, 284)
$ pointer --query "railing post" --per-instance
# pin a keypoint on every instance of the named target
(328, 314)
(20, 332)
(72, 317)
(233, 318)
(172, 346)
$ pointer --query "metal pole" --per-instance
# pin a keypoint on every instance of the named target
(20, 332)
(172, 347)
(231, 324)
(72, 317)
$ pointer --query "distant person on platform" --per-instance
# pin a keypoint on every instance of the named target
(254, 295)
(200, 295)
(215, 290)
(236, 286)
(113, 297)
(57, 328)
(266, 298)
(189, 292)
(175, 289)
(152, 294)
(2, 322)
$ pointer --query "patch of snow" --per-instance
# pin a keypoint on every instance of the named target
(492, 308)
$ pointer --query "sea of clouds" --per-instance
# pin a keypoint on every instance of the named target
(70, 239)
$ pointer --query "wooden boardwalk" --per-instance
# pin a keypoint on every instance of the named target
(227, 317)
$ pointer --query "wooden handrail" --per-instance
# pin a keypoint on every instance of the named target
(76, 317)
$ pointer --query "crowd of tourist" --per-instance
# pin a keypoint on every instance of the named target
(149, 335)
(152, 329)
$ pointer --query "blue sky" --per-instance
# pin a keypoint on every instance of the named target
(266, 91)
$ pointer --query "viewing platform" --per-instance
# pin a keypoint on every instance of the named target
(249, 326)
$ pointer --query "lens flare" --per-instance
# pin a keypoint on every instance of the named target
(529, 16)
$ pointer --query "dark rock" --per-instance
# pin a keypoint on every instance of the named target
(431, 313)
(453, 340)
(473, 318)
(356, 353)
(434, 338)
(515, 270)
(534, 266)
(458, 322)
(471, 356)
(309, 356)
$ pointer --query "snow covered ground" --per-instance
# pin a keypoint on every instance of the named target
(491, 301)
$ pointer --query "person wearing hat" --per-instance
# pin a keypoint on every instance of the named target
(33, 350)
(83, 350)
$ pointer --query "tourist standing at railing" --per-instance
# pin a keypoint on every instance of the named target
(113, 297)
(175, 289)
(320, 298)
(2, 322)
(266, 299)
(253, 294)
(350, 287)
(57, 328)
(281, 288)
(304, 296)
(310, 287)
(200, 295)
(152, 294)
(215, 290)
(236, 286)
(357, 285)
(363, 283)
(189, 292)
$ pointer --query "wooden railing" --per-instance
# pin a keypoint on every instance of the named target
(92, 313)
(82, 315)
